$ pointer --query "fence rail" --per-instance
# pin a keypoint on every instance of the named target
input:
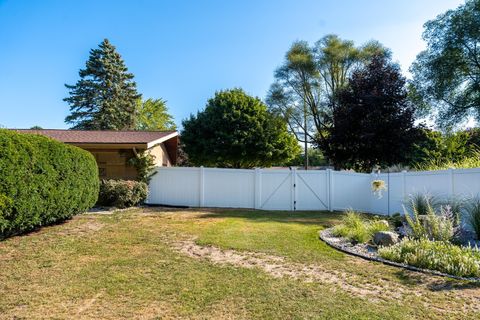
(294, 189)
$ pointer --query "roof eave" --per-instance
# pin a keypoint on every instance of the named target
(162, 139)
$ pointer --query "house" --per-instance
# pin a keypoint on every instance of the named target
(113, 149)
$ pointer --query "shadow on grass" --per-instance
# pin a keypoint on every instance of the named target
(432, 282)
(323, 218)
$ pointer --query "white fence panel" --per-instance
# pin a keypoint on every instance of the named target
(433, 182)
(229, 188)
(304, 190)
(311, 191)
(175, 186)
(351, 190)
(467, 182)
(276, 190)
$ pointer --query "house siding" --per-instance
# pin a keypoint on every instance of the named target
(161, 155)
(113, 163)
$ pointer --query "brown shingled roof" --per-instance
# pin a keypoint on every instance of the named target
(84, 136)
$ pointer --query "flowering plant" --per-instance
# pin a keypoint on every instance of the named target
(378, 186)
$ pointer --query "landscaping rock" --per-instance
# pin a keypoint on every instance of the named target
(385, 222)
(385, 238)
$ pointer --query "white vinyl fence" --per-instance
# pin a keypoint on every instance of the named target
(284, 189)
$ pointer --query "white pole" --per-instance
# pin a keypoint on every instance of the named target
(258, 189)
(452, 181)
(294, 184)
(331, 194)
(202, 186)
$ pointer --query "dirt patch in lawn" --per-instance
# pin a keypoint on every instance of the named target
(279, 267)
(80, 229)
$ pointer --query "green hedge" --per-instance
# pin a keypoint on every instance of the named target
(42, 181)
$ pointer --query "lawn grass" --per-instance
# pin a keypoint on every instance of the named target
(123, 266)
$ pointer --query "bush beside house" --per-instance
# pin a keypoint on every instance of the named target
(43, 181)
(122, 193)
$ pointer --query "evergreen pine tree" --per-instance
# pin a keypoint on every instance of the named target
(105, 96)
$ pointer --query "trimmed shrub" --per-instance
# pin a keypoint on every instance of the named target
(42, 181)
(122, 193)
(435, 255)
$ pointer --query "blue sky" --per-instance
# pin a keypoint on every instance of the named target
(182, 51)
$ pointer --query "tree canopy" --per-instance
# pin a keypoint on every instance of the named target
(105, 96)
(373, 119)
(436, 147)
(447, 73)
(152, 114)
(306, 84)
(236, 130)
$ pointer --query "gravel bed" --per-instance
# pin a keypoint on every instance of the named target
(369, 252)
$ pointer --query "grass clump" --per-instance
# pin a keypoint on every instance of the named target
(421, 203)
(427, 222)
(357, 229)
(435, 255)
(473, 215)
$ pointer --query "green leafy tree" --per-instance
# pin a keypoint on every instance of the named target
(373, 120)
(437, 147)
(105, 96)
(182, 156)
(36, 128)
(236, 130)
(427, 145)
(446, 74)
(152, 114)
(315, 159)
(473, 137)
(306, 84)
(336, 59)
(296, 93)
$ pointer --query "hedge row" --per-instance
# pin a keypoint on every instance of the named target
(42, 181)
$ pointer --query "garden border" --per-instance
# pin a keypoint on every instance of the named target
(325, 234)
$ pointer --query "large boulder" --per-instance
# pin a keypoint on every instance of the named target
(385, 238)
